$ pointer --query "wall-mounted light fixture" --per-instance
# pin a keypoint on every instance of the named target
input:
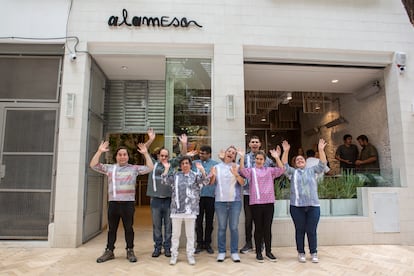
(230, 107)
(289, 96)
(338, 121)
(70, 105)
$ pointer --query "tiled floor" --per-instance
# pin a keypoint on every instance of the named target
(33, 259)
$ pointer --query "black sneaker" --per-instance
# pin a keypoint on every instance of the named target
(259, 258)
(247, 248)
(167, 252)
(271, 257)
(209, 249)
(131, 255)
(198, 249)
(106, 256)
(156, 253)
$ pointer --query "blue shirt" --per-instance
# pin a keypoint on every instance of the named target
(208, 190)
(303, 185)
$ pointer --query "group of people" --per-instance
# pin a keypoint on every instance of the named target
(351, 159)
(193, 191)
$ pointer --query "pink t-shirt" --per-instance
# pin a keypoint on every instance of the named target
(262, 190)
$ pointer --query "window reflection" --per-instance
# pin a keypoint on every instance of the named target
(189, 85)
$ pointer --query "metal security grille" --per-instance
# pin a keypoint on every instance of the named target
(27, 166)
(133, 106)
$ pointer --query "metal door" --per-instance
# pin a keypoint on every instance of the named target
(94, 185)
(27, 169)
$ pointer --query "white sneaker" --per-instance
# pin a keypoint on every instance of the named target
(221, 257)
(302, 258)
(191, 260)
(235, 257)
(173, 259)
(315, 258)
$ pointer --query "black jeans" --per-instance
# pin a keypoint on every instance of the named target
(207, 211)
(263, 218)
(248, 219)
(306, 222)
(116, 211)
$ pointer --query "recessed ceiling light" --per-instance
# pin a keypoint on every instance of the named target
(334, 81)
(263, 119)
(124, 67)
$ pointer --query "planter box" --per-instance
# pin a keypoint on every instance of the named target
(281, 208)
(344, 207)
(325, 207)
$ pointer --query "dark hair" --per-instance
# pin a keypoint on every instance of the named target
(164, 149)
(346, 136)
(260, 152)
(310, 153)
(254, 137)
(118, 149)
(362, 137)
(202, 128)
(206, 149)
(186, 157)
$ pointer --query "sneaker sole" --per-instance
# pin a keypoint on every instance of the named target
(260, 261)
(102, 260)
(236, 261)
(272, 260)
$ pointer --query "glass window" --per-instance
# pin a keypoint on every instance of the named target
(188, 87)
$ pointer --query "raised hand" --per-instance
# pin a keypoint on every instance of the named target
(213, 171)
(241, 152)
(221, 154)
(183, 138)
(234, 170)
(285, 145)
(200, 167)
(192, 153)
(142, 148)
(104, 146)
(275, 153)
(322, 144)
(151, 134)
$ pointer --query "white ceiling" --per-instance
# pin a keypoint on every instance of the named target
(265, 77)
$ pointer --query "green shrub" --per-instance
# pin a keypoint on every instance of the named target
(341, 186)
(282, 187)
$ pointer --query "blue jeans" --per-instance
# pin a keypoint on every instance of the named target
(228, 212)
(306, 221)
(160, 210)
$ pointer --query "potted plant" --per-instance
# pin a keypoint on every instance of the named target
(342, 191)
(282, 191)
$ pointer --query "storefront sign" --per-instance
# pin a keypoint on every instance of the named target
(150, 21)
